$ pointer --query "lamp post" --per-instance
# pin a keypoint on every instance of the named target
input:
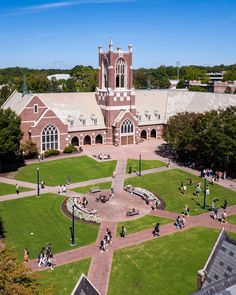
(140, 164)
(204, 201)
(38, 182)
(73, 225)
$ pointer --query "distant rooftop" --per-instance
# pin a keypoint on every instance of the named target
(59, 77)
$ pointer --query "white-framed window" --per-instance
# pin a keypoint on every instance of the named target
(149, 117)
(84, 122)
(36, 108)
(50, 138)
(95, 121)
(127, 127)
(72, 123)
(120, 73)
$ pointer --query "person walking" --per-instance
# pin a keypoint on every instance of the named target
(156, 231)
(225, 204)
(17, 189)
(123, 231)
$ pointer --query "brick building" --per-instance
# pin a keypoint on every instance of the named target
(116, 114)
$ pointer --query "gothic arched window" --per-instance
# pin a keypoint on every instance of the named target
(50, 138)
(127, 127)
(120, 73)
(105, 73)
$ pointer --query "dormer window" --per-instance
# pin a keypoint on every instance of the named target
(95, 121)
(149, 117)
(139, 117)
(72, 123)
(36, 108)
(84, 122)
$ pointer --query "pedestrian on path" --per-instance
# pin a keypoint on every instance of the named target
(102, 246)
(123, 231)
(216, 213)
(68, 181)
(114, 174)
(156, 231)
(17, 189)
(225, 204)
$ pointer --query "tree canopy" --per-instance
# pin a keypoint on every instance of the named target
(207, 139)
(15, 278)
(10, 135)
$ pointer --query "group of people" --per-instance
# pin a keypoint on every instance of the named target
(107, 240)
(62, 189)
(215, 175)
(45, 257)
(180, 221)
(83, 202)
(104, 157)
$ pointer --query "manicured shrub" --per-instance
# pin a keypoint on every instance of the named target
(50, 153)
(70, 149)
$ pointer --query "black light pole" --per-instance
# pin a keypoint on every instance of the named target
(139, 165)
(204, 201)
(38, 182)
(73, 226)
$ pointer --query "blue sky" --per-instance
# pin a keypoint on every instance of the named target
(65, 33)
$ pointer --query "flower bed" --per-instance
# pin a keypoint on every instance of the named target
(80, 214)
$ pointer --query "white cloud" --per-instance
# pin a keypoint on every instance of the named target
(53, 5)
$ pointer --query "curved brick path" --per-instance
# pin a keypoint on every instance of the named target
(100, 267)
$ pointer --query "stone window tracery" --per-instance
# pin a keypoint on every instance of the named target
(127, 127)
(50, 138)
(120, 73)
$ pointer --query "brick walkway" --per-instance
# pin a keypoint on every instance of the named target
(100, 267)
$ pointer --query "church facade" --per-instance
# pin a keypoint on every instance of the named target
(115, 114)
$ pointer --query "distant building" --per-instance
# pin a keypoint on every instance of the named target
(115, 114)
(59, 77)
(215, 76)
(220, 87)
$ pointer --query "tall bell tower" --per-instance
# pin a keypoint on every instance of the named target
(115, 93)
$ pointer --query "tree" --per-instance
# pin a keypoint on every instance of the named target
(229, 75)
(197, 88)
(86, 78)
(2, 230)
(29, 149)
(181, 84)
(228, 90)
(10, 136)
(164, 83)
(15, 278)
(207, 139)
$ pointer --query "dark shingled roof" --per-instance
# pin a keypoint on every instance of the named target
(220, 268)
(84, 287)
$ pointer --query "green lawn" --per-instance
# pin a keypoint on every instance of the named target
(145, 222)
(6, 189)
(63, 279)
(145, 164)
(232, 219)
(165, 265)
(86, 189)
(43, 217)
(167, 184)
(55, 172)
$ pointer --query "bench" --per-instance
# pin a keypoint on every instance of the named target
(95, 190)
(132, 212)
(85, 210)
